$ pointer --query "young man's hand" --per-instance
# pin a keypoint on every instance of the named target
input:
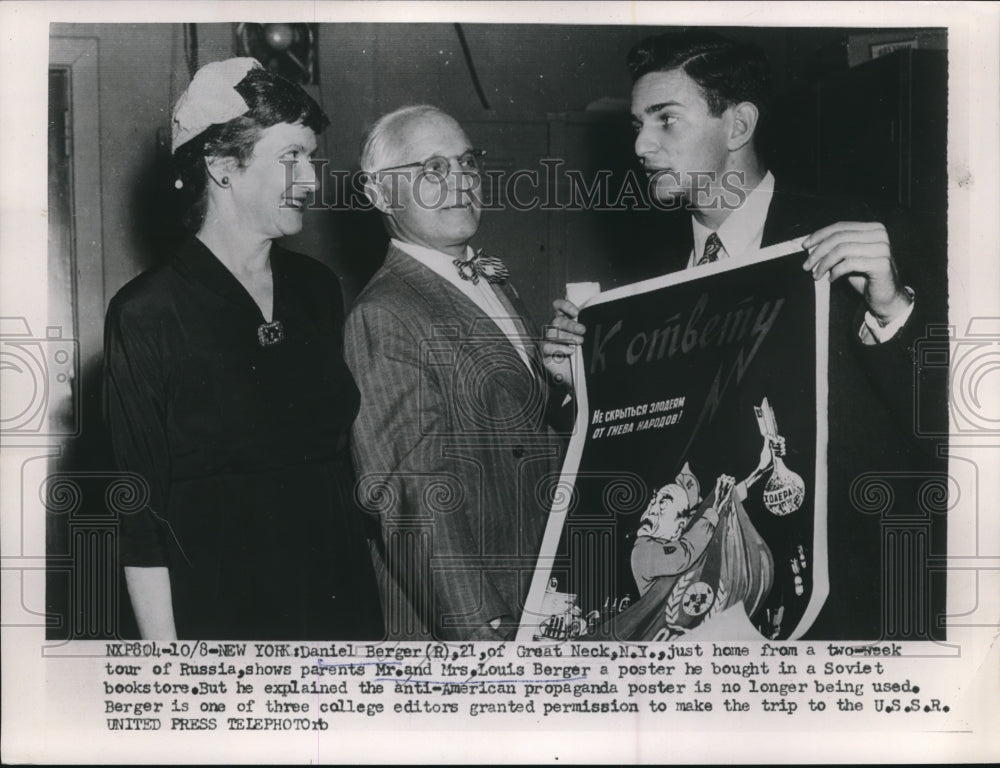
(861, 251)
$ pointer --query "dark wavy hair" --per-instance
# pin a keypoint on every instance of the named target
(271, 100)
(726, 71)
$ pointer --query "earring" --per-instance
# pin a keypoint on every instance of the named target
(225, 181)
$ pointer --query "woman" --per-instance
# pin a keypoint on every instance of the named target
(226, 390)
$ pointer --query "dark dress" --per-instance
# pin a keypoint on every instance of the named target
(244, 450)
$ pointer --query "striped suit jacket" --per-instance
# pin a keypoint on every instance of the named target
(454, 452)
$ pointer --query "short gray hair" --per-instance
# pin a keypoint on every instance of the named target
(376, 149)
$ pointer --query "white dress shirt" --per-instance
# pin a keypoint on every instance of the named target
(741, 235)
(482, 294)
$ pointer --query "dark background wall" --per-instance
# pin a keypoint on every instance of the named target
(528, 73)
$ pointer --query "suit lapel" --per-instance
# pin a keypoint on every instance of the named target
(511, 300)
(459, 308)
(782, 222)
(433, 288)
(789, 216)
(792, 216)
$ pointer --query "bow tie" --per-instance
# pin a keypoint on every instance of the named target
(488, 267)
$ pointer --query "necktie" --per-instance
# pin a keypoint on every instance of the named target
(480, 265)
(712, 247)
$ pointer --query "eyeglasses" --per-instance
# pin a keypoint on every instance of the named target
(438, 165)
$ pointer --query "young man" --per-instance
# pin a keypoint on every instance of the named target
(698, 103)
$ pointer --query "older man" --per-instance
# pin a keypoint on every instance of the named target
(453, 443)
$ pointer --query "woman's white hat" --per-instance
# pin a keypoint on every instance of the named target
(210, 99)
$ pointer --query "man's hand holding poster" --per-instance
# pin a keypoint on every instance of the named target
(692, 504)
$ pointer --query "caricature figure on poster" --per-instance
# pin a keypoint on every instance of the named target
(694, 558)
(654, 537)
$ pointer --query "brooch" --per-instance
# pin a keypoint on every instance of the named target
(270, 334)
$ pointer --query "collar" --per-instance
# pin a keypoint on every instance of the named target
(743, 229)
(427, 255)
(197, 262)
(440, 263)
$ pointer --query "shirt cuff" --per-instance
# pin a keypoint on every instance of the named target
(873, 332)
